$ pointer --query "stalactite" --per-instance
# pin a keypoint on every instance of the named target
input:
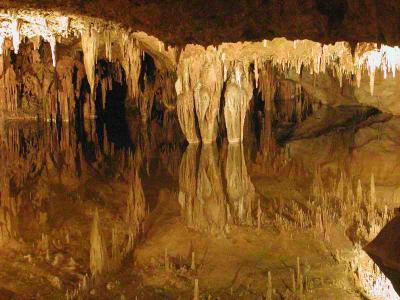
(268, 85)
(198, 88)
(131, 62)
(239, 91)
(108, 45)
(16, 34)
(90, 52)
(207, 95)
(53, 44)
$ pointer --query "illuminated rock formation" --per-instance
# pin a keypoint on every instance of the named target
(131, 62)
(198, 88)
(238, 93)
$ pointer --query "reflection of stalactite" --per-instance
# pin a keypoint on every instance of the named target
(203, 204)
(136, 210)
(188, 184)
(98, 251)
(240, 190)
(8, 214)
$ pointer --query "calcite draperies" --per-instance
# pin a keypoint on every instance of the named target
(198, 88)
(201, 78)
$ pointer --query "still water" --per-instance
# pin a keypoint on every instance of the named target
(111, 211)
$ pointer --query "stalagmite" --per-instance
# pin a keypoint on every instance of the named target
(239, 91)
(269, 287)
(372, 191)
(196, 294)
(193, 264)
(98, 251)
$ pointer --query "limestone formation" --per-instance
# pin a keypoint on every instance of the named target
(198, 88)
(238, 93)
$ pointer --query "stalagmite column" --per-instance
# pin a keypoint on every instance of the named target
(198, 88)
(239, 91)
(240, 190)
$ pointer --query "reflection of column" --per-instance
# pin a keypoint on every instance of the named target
(201, 194)
(210, 193)
(240, 190)
(188, 183)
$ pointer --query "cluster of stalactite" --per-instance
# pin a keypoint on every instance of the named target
(205, 204)
(36, 79)
(202, 108)
(201, 78)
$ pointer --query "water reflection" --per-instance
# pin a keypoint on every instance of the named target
(78, 202)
